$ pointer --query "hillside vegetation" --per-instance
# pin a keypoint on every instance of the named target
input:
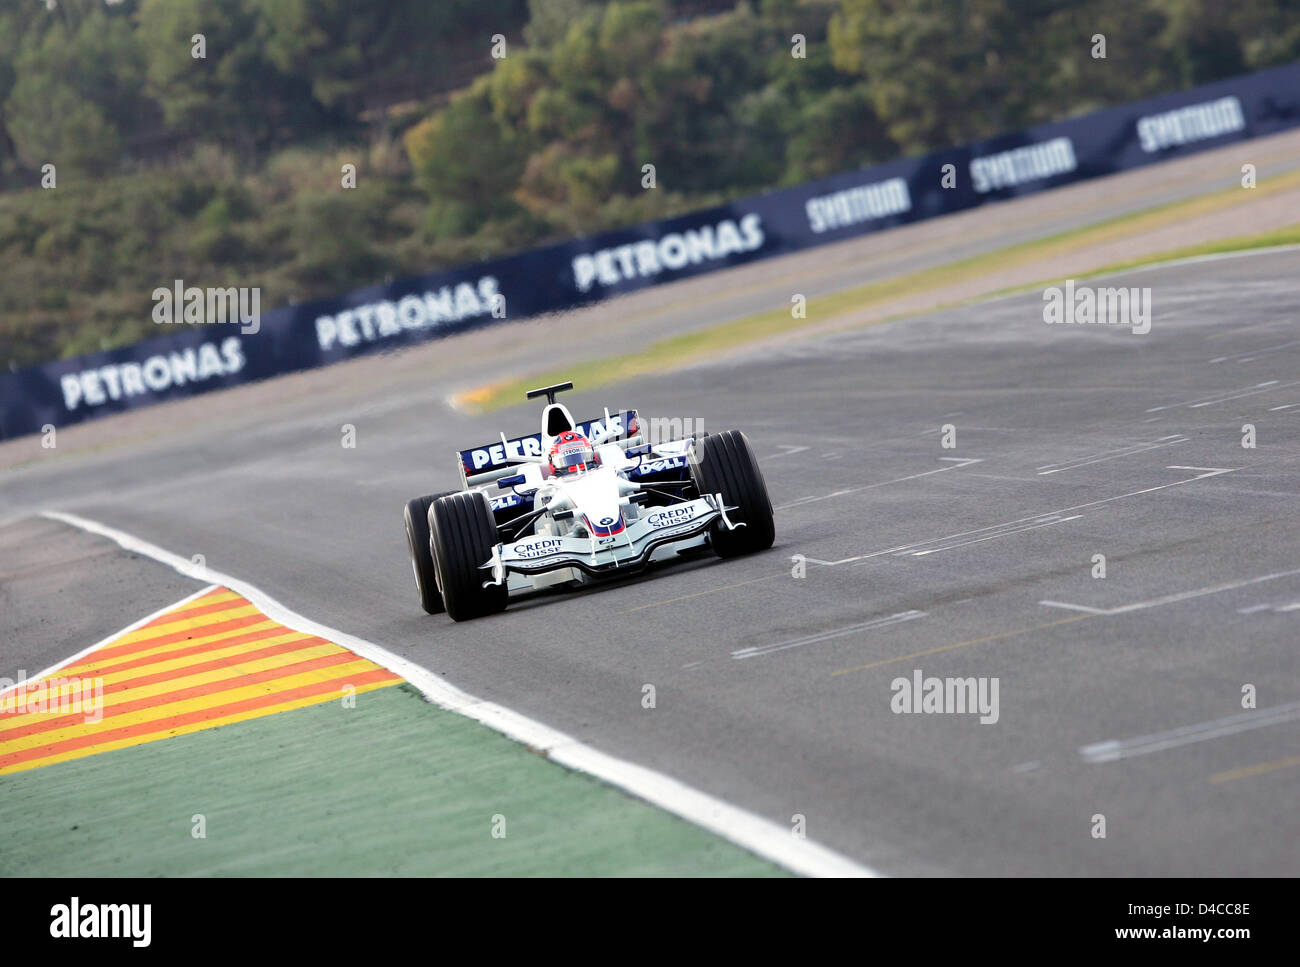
(228, 169)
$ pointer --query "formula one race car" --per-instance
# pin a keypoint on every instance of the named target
(579, 502)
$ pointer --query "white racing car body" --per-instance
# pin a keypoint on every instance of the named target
(594, 525)
(520, 524)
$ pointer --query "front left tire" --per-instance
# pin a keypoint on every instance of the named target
(463, 534)
(417, 542)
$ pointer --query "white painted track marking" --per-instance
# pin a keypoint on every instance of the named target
(760, 836)
(1207, 472)
(1128, 451)
(786, 450)
(958, 463)
(1072, 607)
(892, 619)
(1116, 749)
(1173, 598)
(1005, 533)
(1266, 387)
(1274, 608)
(1252, 353)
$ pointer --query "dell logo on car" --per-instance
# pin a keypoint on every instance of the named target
(658, 466)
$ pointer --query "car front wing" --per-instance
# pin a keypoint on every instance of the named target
(628, 549)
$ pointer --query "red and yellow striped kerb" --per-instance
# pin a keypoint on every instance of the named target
(211, 661)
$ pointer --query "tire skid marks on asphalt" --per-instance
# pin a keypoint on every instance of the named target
(892, 619)
(210, 660)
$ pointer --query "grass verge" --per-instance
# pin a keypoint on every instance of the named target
(392, 787)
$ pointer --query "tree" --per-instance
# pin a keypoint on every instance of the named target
(345, 50)
(77, 90)
(1206, 40)
(466, 162)
(701, 99)
(234, 92)
(942, 72)
(549, 20)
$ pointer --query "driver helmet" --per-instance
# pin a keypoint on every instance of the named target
(571, 452)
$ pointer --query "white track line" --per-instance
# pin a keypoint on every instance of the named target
(1128, 451)
(1185, 735)
(957, 464)
(1050, 516)
(892, 619)
(760, 836)
(113, 637)
(1073, 607)
(786, 450)
(1275, 608)
(1254, 352)
(1004, 533)
(1270, 386)
(1172, 598)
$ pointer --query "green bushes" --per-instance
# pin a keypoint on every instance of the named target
(227, 169)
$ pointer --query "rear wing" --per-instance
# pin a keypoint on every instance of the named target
(481, 465)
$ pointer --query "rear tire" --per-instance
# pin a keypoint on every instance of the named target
(463, 534)
(417, 542)
(724, 463)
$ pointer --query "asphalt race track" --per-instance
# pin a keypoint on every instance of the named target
(1118, 696)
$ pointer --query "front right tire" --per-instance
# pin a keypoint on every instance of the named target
(724, 463)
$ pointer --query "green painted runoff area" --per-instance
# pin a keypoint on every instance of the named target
(392, 787)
